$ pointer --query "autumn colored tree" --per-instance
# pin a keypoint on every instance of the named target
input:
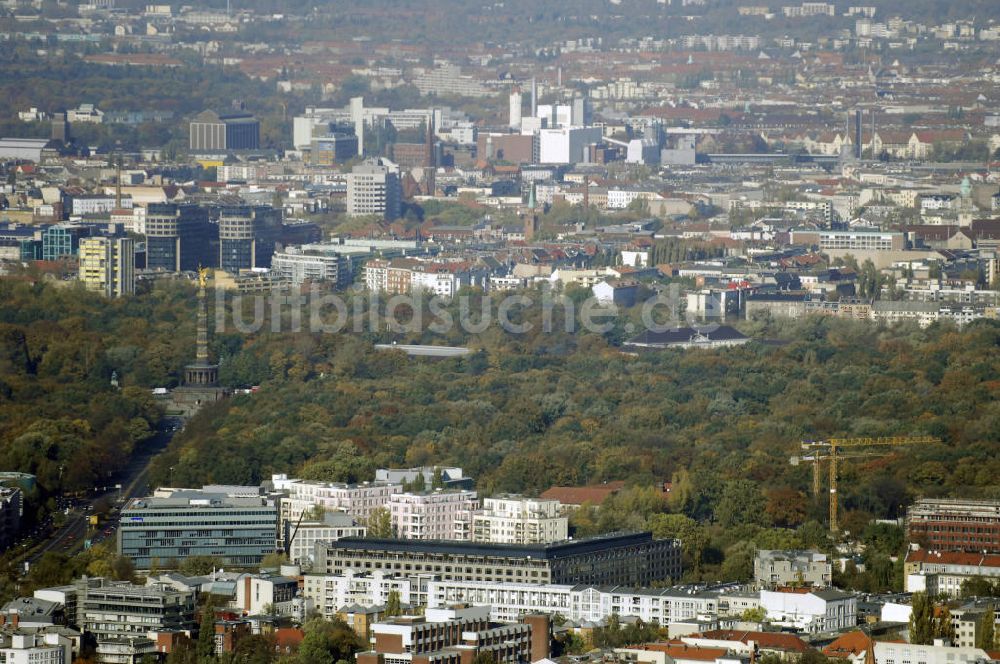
(786, 506)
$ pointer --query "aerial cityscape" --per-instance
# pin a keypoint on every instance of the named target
(591, 332)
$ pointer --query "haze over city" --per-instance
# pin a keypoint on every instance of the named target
(583, 332)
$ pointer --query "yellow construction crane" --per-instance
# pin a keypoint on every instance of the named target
(832, 450)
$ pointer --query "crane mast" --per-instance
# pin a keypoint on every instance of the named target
(834, 449)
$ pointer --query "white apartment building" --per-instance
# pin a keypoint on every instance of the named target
(944, 572)
(810, 9)
(307, 534)
(85, 204)
(861, 240)
(619, 199)
(373, 188)
(811, 611)
(299, 267)
(933, 202)
(586, 278)
(36, 649)
(437, 515)
(357, 500)
(241, 173)
(436, 279)
(901, 653)
(448, 79)
(328, 592)
(257, 594)
(519, 520)
(508, 601)
(376, 275)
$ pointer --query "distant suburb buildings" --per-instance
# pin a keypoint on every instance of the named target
(211, 132)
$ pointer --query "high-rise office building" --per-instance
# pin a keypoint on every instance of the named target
(179, 238)
(333, 148)
(373, 188)
(247, 236)
(211, 132)
(238, 529)
(107, 265)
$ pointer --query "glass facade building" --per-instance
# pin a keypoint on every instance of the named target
(61, 241)
(247, 237)
(179, 238)
(165, 529)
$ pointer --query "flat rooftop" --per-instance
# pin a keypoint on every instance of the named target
(553, 551)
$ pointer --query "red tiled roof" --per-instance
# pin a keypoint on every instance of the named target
(288, 637)
(946, 135)
(766, 640)
(848, 645)
(953, 558)
(895, 137)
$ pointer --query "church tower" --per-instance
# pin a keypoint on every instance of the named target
(531, 218)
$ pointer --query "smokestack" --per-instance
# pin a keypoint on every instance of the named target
(534, 97)
(431, 184)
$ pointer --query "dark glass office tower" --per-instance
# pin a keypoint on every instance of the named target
(247, 236)
(179, 238)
